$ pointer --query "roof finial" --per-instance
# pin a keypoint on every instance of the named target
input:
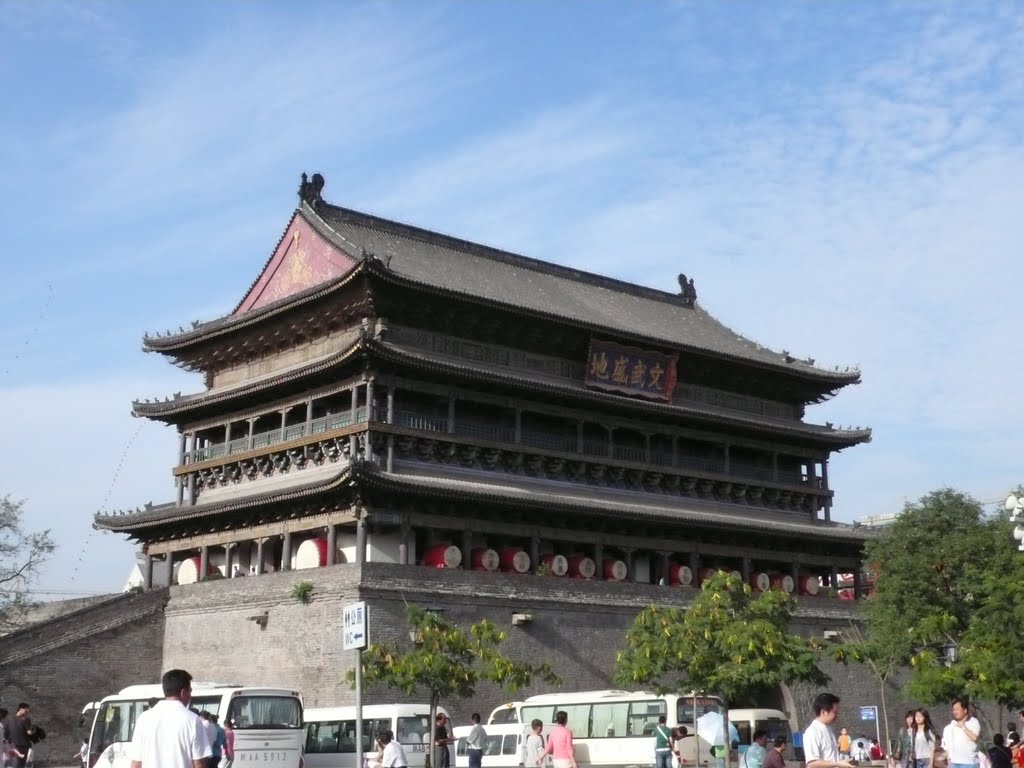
(310, 189)
(687, 290)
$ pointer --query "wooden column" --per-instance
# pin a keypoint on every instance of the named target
(169, 568)
(665, 560)
(534, 553)
(229, 571)
(795, 573)
(355, 401)
(727, 461)
(611, 441)
(834, 576)
(695, 567)
(467, 550)
(824, 483)
(259, 556)
(182, 450)
(227, 438)
(370, 409)
(147, 572)
(179, 483)
(403, 544)
(391, 404)
(286, 551)
(630, 555)
(332, 543)
(598, 562)
(361, 540)
(775, 466)
(252, 426)
(204, 562)
(519, 425)
(745, 569)
(309, 417)
(451, 414)
(579, 437)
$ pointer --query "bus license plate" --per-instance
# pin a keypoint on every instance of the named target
(262, 756)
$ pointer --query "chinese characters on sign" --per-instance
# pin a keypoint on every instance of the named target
(630, 371)
(354, 619)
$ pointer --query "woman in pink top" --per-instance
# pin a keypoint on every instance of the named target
(559, 744)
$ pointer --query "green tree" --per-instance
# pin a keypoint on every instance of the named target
(22, 555)
(447, 661)
(885, 650)
(726, 642)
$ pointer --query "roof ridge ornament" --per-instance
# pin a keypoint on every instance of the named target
(687, 290)
(310, 190)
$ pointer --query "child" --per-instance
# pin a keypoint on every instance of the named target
(533, 747)
(83, 753)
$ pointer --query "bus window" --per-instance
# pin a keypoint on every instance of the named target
(492, 746)
(115, 723)
(609, 719)
(743, 729)
(265, 712)
(705, 704)
(322, 737)
(579, 717)
(774, 727)
(412, 730)
(209, 704)
(643, 717)
(510, 746)
(504, 715)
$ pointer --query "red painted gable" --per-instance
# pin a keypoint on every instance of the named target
(303, 259)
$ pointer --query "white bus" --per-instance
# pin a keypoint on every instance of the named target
(505, 713)
(502, 747)
(616, 728)
(268, 723)
(331, 733)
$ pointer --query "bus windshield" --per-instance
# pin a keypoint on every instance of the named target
(250, 712)
(703, 705)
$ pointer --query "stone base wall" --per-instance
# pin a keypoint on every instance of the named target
(60, 665)
(577, 626)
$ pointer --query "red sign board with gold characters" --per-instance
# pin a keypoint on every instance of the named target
(630, 371)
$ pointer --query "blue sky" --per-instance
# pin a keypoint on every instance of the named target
(842, 180)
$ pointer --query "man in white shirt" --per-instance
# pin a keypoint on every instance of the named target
(960, 737)
(171, 735)
(392, 756)
(475, 742)
(821, 750)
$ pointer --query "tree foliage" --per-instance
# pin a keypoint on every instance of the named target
(22, 555)
(448, 662)
(726, 642)
(948, 577)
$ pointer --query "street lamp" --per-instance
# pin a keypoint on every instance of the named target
(1015, 506)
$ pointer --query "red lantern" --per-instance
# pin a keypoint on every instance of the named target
(810, 585)
(783, 582)
(760, 582)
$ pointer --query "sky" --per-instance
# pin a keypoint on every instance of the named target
(842, 180)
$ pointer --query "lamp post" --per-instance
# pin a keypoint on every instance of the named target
(1015, 506)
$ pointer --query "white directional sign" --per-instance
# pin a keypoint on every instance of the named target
(354, 624)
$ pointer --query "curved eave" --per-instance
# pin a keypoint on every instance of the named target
(176, 411)
(525, 499)
(138, 521)
(168, 410)
(206, 332)
(842, 438)
(831, 381)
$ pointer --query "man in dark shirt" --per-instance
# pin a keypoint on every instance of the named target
(20, 733)
(441, 742)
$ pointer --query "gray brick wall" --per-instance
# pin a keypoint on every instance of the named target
(60, 665)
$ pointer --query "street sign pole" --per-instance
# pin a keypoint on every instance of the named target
(868, 714)
(355, 635)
